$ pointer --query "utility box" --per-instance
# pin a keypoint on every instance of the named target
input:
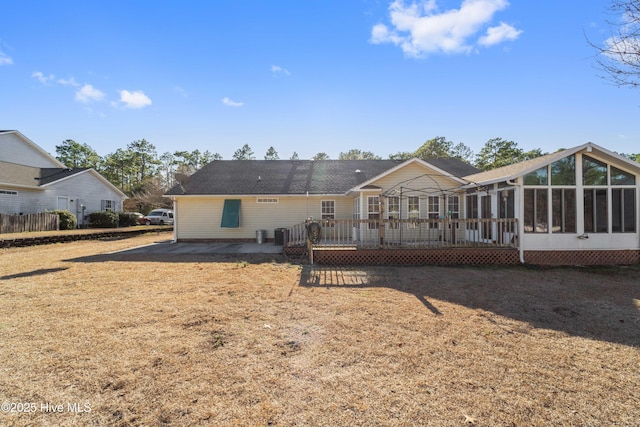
(281, 236)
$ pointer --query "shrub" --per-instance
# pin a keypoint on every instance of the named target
(103, 219)
(127, 219)
(68, 220)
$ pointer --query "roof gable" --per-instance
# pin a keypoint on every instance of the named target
(51, 176)
(446, 169)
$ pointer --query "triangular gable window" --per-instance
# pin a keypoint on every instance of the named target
(231, 214)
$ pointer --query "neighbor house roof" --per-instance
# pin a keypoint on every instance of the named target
(230, 177)
(29, 177)
(49, 175)
(15, 175)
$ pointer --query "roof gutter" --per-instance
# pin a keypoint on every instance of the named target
(519, 185)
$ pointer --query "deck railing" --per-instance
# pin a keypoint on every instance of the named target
(409, 233)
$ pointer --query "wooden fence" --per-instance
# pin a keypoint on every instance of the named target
(30, 222)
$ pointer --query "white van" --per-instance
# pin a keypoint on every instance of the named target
(158, 217)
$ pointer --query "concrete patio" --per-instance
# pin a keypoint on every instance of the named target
(169, 247)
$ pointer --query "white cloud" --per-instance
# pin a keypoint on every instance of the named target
(277, 70)
(4, 59)
(622, 49)
(230, 103)
(88, 93)
(421, 28)
(42, 78)
(496, 35)
(135, 99)
(68, 82)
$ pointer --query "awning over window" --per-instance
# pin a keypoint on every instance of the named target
(231, 214)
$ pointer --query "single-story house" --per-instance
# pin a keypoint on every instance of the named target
(232, 199)
(576, 206)
(33, 181)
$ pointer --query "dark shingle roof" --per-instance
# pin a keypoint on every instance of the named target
(455, 167)
(49, 175)
(294, 176)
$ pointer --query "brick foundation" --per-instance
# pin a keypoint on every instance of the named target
(466, 256)
(557, 258)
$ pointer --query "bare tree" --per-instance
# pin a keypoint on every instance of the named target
(619, 55)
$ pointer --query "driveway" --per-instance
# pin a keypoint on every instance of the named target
(169, 247)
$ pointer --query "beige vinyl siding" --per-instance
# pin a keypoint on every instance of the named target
(428, 181)
(433, 182)
(199, 217)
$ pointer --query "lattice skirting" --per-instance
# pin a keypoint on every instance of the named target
(620, 257)
(466, 256)
(457, 256)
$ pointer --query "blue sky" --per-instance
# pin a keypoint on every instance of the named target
(310, 76)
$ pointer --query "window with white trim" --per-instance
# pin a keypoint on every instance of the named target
(393, 211)
(472, 211)
(535, 210)
(623, 210)
(453, 206)
(108, 205)
(356, 208)
(596, 218)
(373, 211)
(413, 204)
(433, 206)
(328, 208)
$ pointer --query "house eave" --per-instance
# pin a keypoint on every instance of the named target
(175, 196)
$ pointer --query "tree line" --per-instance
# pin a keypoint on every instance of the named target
(143, 174)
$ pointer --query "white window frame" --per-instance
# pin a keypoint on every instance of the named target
(107, 205)
(413, 214)
(328, 209)
(453, 213)
(393, 215)
(375, 213)
(433, 202)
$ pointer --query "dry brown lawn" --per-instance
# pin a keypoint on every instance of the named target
(217, 340)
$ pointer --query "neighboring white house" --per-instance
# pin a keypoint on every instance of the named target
(32, 181)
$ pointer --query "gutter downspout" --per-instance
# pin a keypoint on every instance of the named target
(175, 220)
(520, 196)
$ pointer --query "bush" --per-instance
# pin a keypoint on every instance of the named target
(68, 220)
(127, 219)
(103, 219)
